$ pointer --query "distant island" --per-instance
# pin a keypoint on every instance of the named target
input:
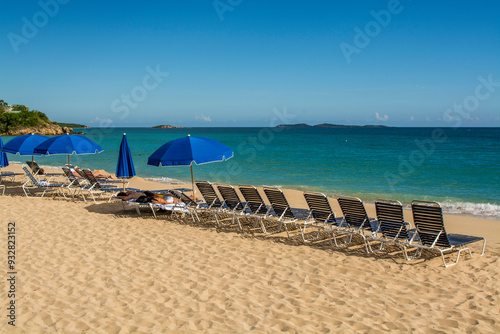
(327, 125)
(71, 125)
(17, 120)
(167, 127)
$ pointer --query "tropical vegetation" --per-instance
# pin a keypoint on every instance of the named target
(20, 116)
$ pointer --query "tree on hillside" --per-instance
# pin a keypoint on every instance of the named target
(3, 104)
(20, 107)
(23, 118)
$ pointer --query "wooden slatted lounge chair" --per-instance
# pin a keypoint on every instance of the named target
(282, 210)
(392, 228)
(233, 203)
(32, 183)
(255, 204)
(321, 216)
(429, 222)
(356, 219)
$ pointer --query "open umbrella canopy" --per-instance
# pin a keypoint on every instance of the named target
(24, 145)
(4, 162)
(125, 166)
(68, 144)
(184, 151)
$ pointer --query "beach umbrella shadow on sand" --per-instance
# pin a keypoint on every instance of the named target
(125, 167)
(188, 150)
(67, 144)
(24, 145)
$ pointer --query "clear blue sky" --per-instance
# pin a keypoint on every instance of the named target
(232, 62)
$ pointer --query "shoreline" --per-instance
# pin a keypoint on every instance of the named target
(464, 222)
(448, 207)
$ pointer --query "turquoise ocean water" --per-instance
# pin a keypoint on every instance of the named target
(459, 167)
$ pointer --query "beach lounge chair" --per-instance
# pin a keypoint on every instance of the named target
(356, 220)
(2, 187)
(179, 207)
(214, 206)
(255, 204)
(233, 203)
(392, 228)
(321, 216)
(154, 207)
(39, 172)
(190, 205)
(75, 185)
(282, 210)
(10, 175)
(429, 222)
(32, 183)
(96, 188)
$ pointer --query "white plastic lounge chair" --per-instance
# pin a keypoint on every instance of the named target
(321, 216)
(392, 228)
(2, 187)
(428, 219)
(282, 210)
(33, 183)
(356, 220)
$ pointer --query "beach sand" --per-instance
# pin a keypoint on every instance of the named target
(86, 267)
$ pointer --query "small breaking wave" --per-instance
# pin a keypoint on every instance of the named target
(476, 209)
(166, 180)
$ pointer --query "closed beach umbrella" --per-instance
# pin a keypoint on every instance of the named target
(4, 162)
(125, 167)
(188, 150)
(24, 145)
(68, 144)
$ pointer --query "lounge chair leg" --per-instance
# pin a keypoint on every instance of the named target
(154, 210)
(286, 229)
(348, 240)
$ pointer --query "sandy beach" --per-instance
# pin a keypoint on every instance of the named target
(95, 268)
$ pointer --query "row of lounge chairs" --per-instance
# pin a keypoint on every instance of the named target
(389, 227)
(85, 184)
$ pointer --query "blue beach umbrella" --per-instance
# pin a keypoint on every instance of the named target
(68, 144)
(188, 150)
(24, 145)
(4, 162)
(125, 167)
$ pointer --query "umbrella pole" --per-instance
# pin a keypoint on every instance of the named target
(68, 162)
(192, 182)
